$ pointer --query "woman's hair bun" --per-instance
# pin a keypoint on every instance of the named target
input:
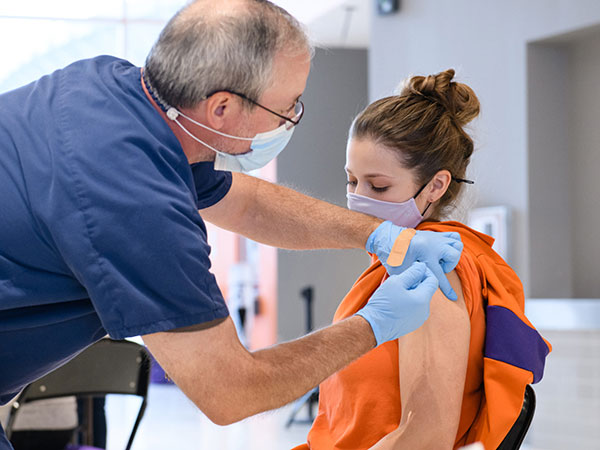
(458, 98)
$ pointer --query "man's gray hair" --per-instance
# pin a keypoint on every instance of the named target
(203, 50)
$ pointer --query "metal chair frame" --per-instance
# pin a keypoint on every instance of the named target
(106, 367)
(516, 435)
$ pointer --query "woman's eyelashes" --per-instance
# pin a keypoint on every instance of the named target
(353, 183)
(379, 189)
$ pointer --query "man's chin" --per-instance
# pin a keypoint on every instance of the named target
(202, 157)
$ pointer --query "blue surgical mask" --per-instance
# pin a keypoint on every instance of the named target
(263, 149)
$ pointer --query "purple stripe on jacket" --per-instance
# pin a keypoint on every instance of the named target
(510, 340)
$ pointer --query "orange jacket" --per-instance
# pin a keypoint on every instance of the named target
(361, 403)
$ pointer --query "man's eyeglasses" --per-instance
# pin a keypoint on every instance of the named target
(289, 121)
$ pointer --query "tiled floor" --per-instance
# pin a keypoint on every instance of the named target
(172, 422)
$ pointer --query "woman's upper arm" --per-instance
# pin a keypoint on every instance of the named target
(433, 363)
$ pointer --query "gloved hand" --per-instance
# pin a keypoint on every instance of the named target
(440, 251)
(401, 304)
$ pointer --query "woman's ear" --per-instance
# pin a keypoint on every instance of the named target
(438, 185)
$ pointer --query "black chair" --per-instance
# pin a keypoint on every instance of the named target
(106, 367)
(515, 436)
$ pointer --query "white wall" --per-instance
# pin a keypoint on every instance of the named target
(487, 43)
(314, 163)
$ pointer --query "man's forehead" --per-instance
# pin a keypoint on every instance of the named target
(290, 74)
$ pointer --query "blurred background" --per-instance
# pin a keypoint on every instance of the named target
(535, 67)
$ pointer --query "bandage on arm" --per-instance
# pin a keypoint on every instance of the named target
(400, 247)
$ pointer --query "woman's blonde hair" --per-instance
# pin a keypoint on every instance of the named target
(424, 124)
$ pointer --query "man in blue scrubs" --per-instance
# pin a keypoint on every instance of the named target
(103, 168)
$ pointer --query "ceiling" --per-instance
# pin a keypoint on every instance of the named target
(333, 23)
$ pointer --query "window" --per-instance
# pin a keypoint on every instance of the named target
(40, 36)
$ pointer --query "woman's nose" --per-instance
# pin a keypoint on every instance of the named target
(361, 189)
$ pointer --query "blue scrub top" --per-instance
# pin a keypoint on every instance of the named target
(99, 225)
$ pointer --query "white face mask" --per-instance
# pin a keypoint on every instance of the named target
(264, 147)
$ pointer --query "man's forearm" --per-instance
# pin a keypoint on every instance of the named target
(306, 222)
(283, 373)
(281, 217)
(228, 383)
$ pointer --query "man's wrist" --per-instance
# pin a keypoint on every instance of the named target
(365, 328)
(369, 242)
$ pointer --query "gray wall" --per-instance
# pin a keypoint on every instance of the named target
(549, 182)
(487, 43)
(313, 163)
(564, 162)
(584, 137)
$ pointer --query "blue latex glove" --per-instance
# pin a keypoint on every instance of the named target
(440, 251)
(401, 304)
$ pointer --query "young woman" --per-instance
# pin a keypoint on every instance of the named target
(461, 377)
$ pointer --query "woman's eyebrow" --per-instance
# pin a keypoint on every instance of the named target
(369, 175)
(377, 175)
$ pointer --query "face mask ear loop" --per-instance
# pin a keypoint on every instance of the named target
(194, 137)
(420, 190)
(173, 113)
(423, 213)
(417, 194)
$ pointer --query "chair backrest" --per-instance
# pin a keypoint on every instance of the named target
(106, 367)
(516, 435)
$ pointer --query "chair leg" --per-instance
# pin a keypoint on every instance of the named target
(136, 425)
(12, 415)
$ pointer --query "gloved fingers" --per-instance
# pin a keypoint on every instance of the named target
(427, 286)
(445, 286)
(449, 258)
(457, 244)
(413, 276)
(429, 282)
(453, 235)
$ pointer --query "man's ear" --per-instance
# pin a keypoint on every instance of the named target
(220, 108)
(438, 185)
